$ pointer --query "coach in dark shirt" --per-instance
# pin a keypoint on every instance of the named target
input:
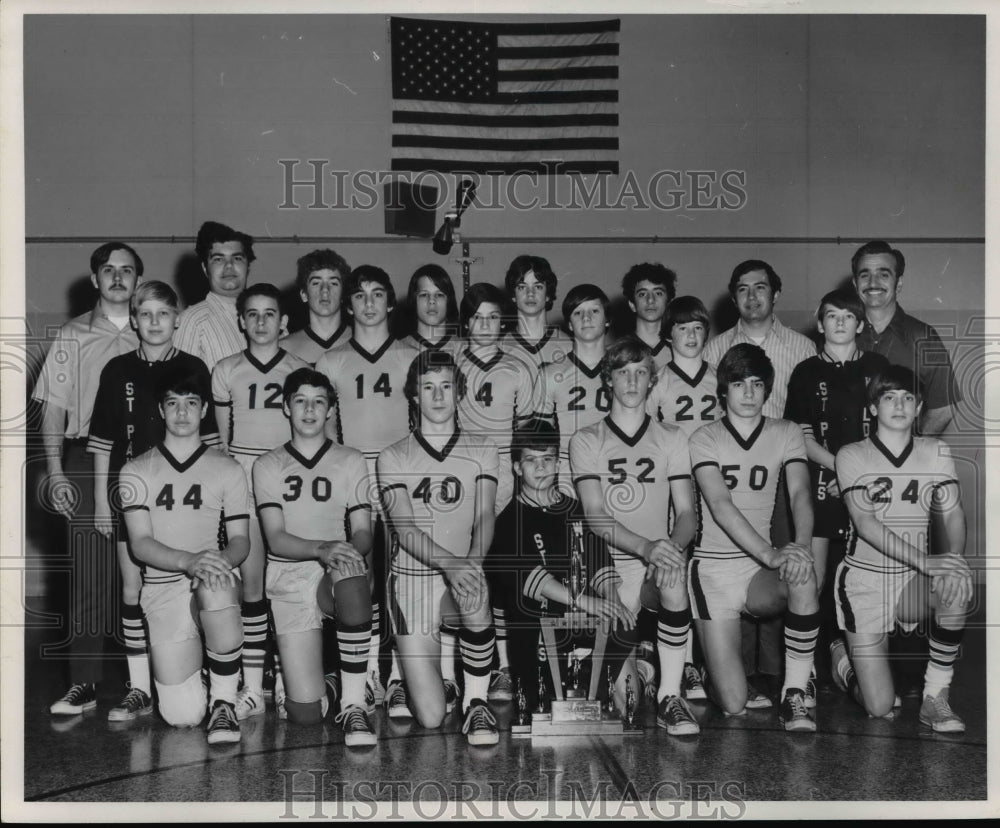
(878, 272)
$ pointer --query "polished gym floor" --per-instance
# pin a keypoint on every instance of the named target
(733, 761)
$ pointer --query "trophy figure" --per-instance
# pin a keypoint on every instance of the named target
(611, 694)
(541, 706)
(577, 574)
(629, 702)
(521, 727)
(574, 673)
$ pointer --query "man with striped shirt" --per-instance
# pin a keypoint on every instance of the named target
(210, 329)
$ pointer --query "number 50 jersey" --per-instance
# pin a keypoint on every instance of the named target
(751, 469)
(315, 494)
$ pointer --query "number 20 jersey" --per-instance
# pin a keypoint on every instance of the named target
(315, 494)
(442, 489)
(751, 469)
(186, 500)
(634, 472)
(899, 491)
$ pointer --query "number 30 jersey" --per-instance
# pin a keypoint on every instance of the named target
(442, 489)
(899, 491)
(317, 494)
(635, 473)
(751, 469)
(186, 500)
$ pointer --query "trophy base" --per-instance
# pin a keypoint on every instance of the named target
(519, 731)
(604, 727)
(576, 710)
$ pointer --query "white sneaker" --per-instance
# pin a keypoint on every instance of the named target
(249, 703)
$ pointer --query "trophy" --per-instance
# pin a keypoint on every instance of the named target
(630, 723)
(540, 706)
(521, 727)
(574, 676)
(611, 693)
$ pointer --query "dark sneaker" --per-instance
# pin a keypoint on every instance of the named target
(676, 717)
(810, 694)
(936, 713)
(480, 724)
(692, 683)
(136, 703)
(793, 713)
(395, 701)
(451, 695)
(757, 700)
(358, 730)
(501, 686)
(78, 698)
(223, 726)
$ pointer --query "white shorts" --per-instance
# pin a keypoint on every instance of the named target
(633, 574)
(867, 600)
(718, 587)
(416, 603)
(291, 587)
(170, 611)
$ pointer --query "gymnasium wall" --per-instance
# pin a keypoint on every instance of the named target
(836, 129)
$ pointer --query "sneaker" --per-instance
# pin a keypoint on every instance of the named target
(223, 726)
(377, 689)
(810, 694)
(757, 700)
(451, 695)
(937, 714)
(501, 687)
(692, 684)
(840, 665)
(136, 703)
(793, 713)
(395, 701)
(78, 698)
(480, 724)
(647, 676)
(270, 679)
(676, 717)
(358, 730)
(279, 703)
(249, 703)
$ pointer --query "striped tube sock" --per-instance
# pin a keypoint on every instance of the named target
(448, 635)
(376, 639)
(672, 630)
(500, 625)
(944, 646)
(801, 632)
(224, 675)
(254, 643)
(477, 655)
(355, 642)
(136, 647)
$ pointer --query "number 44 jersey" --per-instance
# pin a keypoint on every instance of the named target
(186, 500)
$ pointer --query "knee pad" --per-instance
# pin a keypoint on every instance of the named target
(307, 712)
(184, 704)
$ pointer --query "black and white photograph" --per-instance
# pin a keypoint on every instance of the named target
(479, 411)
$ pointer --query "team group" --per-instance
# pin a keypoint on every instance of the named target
(257, 486)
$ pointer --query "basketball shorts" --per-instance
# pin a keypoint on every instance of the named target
(867, 600)
(718, 587)
(170, 611)
(291, 587)
(636, 590)
(417, 603)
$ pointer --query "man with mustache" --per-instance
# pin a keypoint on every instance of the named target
(877, 269)
(67, 388)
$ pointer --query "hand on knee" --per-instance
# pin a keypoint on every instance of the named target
(213, 600)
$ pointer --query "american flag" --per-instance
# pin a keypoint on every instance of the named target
(504, 97)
